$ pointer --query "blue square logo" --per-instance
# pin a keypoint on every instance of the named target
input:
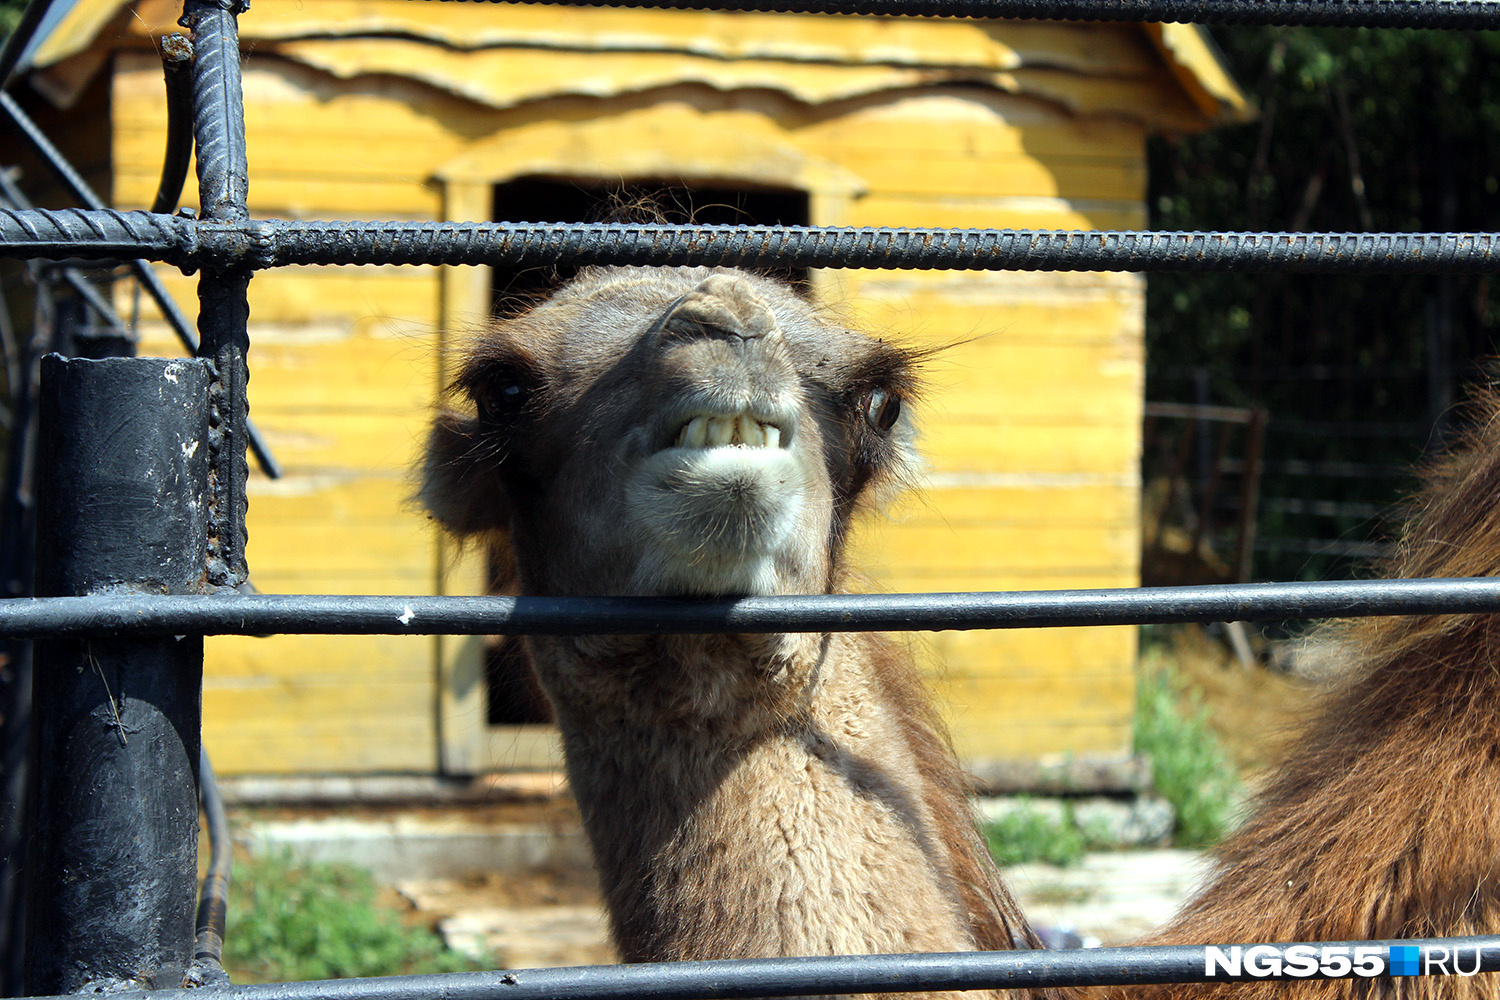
(1404, 960)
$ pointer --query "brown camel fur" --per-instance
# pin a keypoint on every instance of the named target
(658, 431)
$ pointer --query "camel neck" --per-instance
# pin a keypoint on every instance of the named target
(808, 833)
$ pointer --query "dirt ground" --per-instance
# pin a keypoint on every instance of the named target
(537, 919)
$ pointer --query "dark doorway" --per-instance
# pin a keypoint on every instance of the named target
(545, 199)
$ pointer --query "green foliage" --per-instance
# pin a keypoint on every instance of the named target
(1026, 833)
(1188, 768)
(290, 920)
(1358, 130)
(10, 16)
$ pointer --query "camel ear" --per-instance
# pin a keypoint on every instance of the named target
(461, 482)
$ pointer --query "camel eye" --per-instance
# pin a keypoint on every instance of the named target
(881, 409)
(500, 399)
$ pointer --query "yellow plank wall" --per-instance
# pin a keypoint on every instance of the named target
(1031, 422)
(343, 372)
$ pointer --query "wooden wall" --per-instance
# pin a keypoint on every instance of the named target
(1032, 420)
(343, 369)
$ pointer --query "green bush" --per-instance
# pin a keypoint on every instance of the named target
(1188, 766)
(1028, 834)
(292, 920)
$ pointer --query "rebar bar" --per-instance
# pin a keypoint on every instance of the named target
(1448, 14)
(223, 286)
(74, 233)
(11, 197)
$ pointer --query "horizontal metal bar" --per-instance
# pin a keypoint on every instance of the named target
(1330, 470)
(845, 974)
(1330, 13)
(1315, 508)
(1336, 547)
(193, 244)
(264, 614)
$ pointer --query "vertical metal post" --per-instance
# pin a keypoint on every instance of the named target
(17, 559)
(224, 312)
(122, 477)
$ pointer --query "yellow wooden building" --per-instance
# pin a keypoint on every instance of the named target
(401, 110)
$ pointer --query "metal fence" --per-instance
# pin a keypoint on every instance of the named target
(130, 589)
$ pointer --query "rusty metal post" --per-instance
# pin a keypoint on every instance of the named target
(121, 508)
(224, 311)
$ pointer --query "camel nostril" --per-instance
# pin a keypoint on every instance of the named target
(696, 324)
(721, 309)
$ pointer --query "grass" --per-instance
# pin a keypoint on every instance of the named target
(291, 920)
(1188, 766)
(1026, 833)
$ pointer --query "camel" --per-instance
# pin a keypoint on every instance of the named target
(706, 432)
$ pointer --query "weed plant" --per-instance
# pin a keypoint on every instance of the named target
(1188, 766)
(1026, 833)
(1189, 769)
(291, 920)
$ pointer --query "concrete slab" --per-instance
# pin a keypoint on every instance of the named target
(405, 845)
(1113, 896)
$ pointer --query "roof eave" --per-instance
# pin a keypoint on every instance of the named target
(1200, 68)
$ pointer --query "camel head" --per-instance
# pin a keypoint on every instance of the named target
(670, 431)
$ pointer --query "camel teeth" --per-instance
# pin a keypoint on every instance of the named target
(748, 432)
(739, 431)
(720, 431)
(695, 434)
